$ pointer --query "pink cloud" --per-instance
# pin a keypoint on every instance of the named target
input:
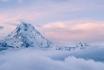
(2, 17)
(18, 15)
(75, 30)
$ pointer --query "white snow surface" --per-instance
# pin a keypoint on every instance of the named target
(25, 35)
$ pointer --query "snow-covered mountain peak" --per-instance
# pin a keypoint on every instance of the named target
(25, 35)
(25, 27)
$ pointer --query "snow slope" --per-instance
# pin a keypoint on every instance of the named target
(25, 35)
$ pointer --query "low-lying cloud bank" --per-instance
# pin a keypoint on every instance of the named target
(30, 59)
(95, 53)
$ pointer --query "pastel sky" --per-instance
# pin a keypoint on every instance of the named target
(58, 20)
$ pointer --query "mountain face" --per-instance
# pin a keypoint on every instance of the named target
(25, 35)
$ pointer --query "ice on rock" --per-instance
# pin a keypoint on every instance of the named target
(25, 35)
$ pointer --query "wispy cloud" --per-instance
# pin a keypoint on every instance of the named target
(75, 30)
(58, 14)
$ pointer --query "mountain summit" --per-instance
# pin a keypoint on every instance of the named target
(25, 35)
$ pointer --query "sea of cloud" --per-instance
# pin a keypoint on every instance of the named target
(34, 59)
(95, 53)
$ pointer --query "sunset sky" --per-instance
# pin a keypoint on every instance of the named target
(58, 20)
